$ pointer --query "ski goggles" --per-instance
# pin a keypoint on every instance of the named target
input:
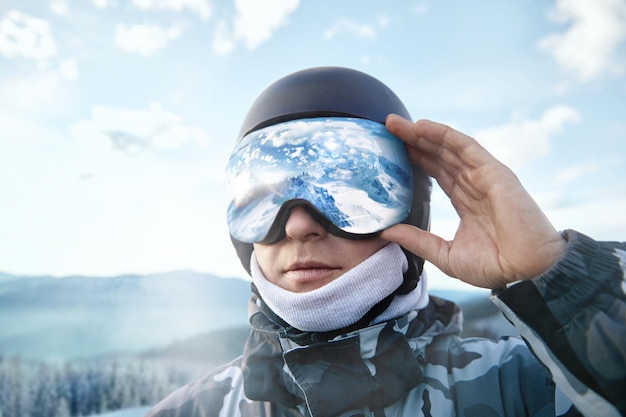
(351, 174)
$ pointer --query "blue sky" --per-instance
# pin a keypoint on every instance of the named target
(117, 117)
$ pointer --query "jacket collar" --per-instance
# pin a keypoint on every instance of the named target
(326, 374)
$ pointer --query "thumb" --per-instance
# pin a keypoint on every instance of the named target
(420, 242)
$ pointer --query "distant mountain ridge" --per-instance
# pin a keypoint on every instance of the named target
(77, 317)
(73, 317)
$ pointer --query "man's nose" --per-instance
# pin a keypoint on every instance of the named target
(302, 226)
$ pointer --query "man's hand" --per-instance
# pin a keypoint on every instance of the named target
(503, 235)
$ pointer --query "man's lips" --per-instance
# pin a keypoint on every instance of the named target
(305, 271)
(307, 265)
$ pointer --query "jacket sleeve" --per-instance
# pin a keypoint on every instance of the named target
(573, 317)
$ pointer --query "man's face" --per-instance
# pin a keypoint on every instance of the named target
(309, 257)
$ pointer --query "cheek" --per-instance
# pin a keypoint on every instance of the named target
(265, 258)
(359, 251)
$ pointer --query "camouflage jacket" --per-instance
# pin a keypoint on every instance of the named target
(573, 318)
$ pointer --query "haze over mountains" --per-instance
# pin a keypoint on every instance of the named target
(122, 343)
(178, 312)
(81, 317)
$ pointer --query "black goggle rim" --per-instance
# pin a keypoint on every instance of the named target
(276, 231)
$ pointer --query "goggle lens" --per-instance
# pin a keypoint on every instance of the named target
(352, 171)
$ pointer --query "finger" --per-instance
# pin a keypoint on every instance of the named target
(439, 138)
(434, 159)
(428, 153)
(451, 148)
(420, 242)
(455, 144)
(453, 158)
(405, 130)
(423, 156)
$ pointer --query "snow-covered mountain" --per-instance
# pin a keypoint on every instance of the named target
(82, 317)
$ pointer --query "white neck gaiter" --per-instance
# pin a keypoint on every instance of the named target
(348, 298)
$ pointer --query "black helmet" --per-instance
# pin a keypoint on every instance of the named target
(333, 92)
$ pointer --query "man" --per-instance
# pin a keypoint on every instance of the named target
(330, 216)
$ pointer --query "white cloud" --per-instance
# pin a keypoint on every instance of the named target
(573, 173)
(601, 219)
(253, 24)
(421, 8)
(26, 36)
(101, 4)
(145, 39)
(359, 30)
(38, 93)
(522, 141)
(222, 43)
(86, 210)
(383, 21)
(201, 7)
(255, 20)
(552, 199)
(372, 59)
(59, 7)
(589, 47)
(34, 93)
(68, 69)
(132, 131)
